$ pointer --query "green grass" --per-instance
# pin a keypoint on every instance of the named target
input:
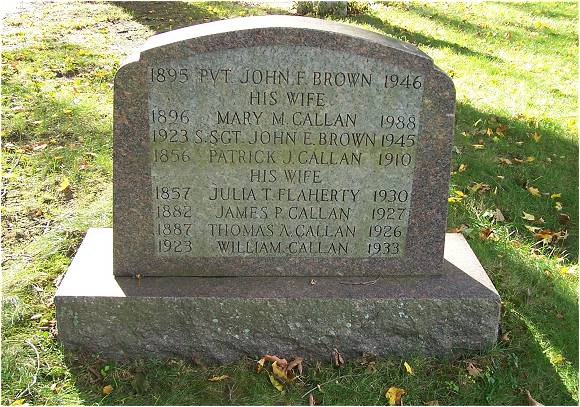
(515, 68)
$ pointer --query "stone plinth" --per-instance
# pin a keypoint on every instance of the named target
(225, 318)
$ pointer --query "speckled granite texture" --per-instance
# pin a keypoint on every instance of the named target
(133, 220)
(223, 319)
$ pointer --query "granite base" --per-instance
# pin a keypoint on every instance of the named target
(223, 319)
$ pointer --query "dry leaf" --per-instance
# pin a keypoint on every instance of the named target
(479, 187)
(484, 234)
(18, 402)
(64, 185)
(311, 400)
(518, 160)
(278, 372)
(458, 229)
(296, 362)
(530, 159)
(473, 370)
(279, 386)
(462, 167)
(536, 137)
(505, 337)
(432, 403)
(498, 216)
(534, 191)
(506, 161)
(528, 216)
(558, 206)
(532, 229)
(338, 359)
(218, 378)
(408, 368)
(478, 146)
(260, 365)
(313, 282)
(564, 218)
(108, 389)
(531, 401)
(394, 394)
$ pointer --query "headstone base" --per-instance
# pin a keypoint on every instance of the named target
(223, 319)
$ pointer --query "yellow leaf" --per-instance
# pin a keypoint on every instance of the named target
(64, 185)
(557, 359)
(67, 111)
(534, 191)
(530, 159)
(218, 378)
(558, 206)
(453, 199)
(506, 161)
(554, 196)
(279, 386)
(478, 146)
(108, 389)
(18, 402)
(536, 137)
(408, 368)
(528, 216)
(459, 193)
(462, 167)
(279, 373)
(260, 365)
(394, 395)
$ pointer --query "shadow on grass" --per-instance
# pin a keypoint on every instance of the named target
(418, 38)
(163, 16)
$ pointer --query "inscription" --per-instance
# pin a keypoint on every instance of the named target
(260, 155)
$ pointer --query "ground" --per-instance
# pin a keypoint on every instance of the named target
(513, 194)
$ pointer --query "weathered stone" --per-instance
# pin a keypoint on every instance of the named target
(369, 127)
(226, 318)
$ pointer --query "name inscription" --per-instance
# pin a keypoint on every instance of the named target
(265, 152)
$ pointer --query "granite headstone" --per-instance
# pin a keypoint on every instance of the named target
(284, 169)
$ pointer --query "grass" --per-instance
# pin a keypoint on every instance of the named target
(515, 69)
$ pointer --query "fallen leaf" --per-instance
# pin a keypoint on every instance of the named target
(108, 389)
(408, 368)
(558, 206)
(536, 137)
(479, 187)
(394, 395)
(557, 359)
(473, 370)
(458, 229)
(313, 282)
(279, 386)
(498, 216)
(18, 402)
(462, 167)
(278, 372)
(530, 159)
(260, 365)
(534, 191)
(532, 229)
(218, 378)
(528, 216)
(505, 337)
(564, 218)
(531, 401)
(64, 185)
(554, 196)
(432, 403)
(478, 146)
(506, 161)
(54, 388)
(338, 359)
(296, 362)
(311, 400)
(485, 233)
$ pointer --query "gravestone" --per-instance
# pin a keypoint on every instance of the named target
(280, 185)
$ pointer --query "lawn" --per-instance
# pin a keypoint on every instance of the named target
(513, 194)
